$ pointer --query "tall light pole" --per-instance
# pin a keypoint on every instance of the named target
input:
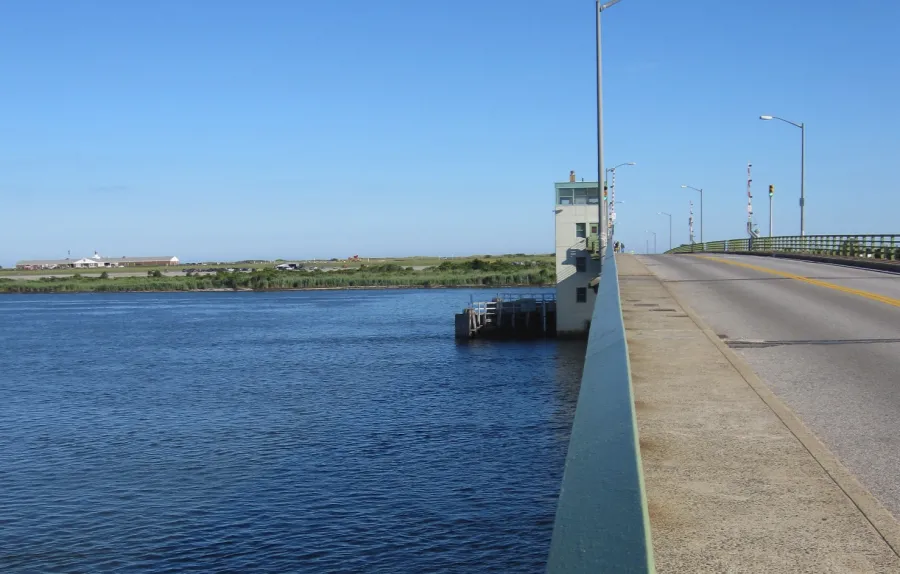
(802, 127)
(611, 212)
(600, 172)
(701, 207)
(654, 240)
(670, 226)
(691, 224)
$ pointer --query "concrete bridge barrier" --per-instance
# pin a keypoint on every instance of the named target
(602, 524)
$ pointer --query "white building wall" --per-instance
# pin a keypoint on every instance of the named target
(572, 317)
(85, 263)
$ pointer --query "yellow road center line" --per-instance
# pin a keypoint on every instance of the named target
(849, 290)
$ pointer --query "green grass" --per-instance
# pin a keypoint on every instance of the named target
(414, 261)
(120, 270)
(473, 272)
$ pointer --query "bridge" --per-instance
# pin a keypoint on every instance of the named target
(739, 412)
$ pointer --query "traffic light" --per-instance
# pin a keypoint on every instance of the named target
(605, 192)
(771, 190)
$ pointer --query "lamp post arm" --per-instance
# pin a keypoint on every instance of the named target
(795, 124)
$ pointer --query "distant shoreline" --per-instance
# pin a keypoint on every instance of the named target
(468, 274)
(277, 289)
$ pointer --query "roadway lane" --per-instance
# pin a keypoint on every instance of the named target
(830, 352)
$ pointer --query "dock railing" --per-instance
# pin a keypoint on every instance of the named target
(497, 317)
(602, 523)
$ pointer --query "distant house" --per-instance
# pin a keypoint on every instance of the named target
(97, 261)
(45, 264)
(87, 262)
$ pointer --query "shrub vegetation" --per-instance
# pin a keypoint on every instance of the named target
(469, 273)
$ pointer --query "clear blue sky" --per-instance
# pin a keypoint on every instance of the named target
(286, 128)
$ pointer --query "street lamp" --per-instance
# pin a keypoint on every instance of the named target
(611, 211)
(600, 172)
(701, 207)
(802, 127)
(670, 226)
(654, 240)
(613, 169)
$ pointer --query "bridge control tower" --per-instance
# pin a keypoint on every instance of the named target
(577, 234)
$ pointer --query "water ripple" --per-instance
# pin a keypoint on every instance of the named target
(278, 432)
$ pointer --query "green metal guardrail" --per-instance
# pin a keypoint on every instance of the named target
(602, 523)
(881, 247)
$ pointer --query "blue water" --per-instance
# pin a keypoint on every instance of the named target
(275, 432)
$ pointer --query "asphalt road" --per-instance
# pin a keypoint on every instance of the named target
(824, 338)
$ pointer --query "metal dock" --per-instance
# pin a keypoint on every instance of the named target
(509, 316)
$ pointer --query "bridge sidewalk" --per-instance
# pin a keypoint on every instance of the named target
(735, 483)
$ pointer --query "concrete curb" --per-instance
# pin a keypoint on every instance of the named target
(877, 515)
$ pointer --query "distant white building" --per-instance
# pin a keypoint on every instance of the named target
(577, 208)
(87, 262)
(97, 261)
